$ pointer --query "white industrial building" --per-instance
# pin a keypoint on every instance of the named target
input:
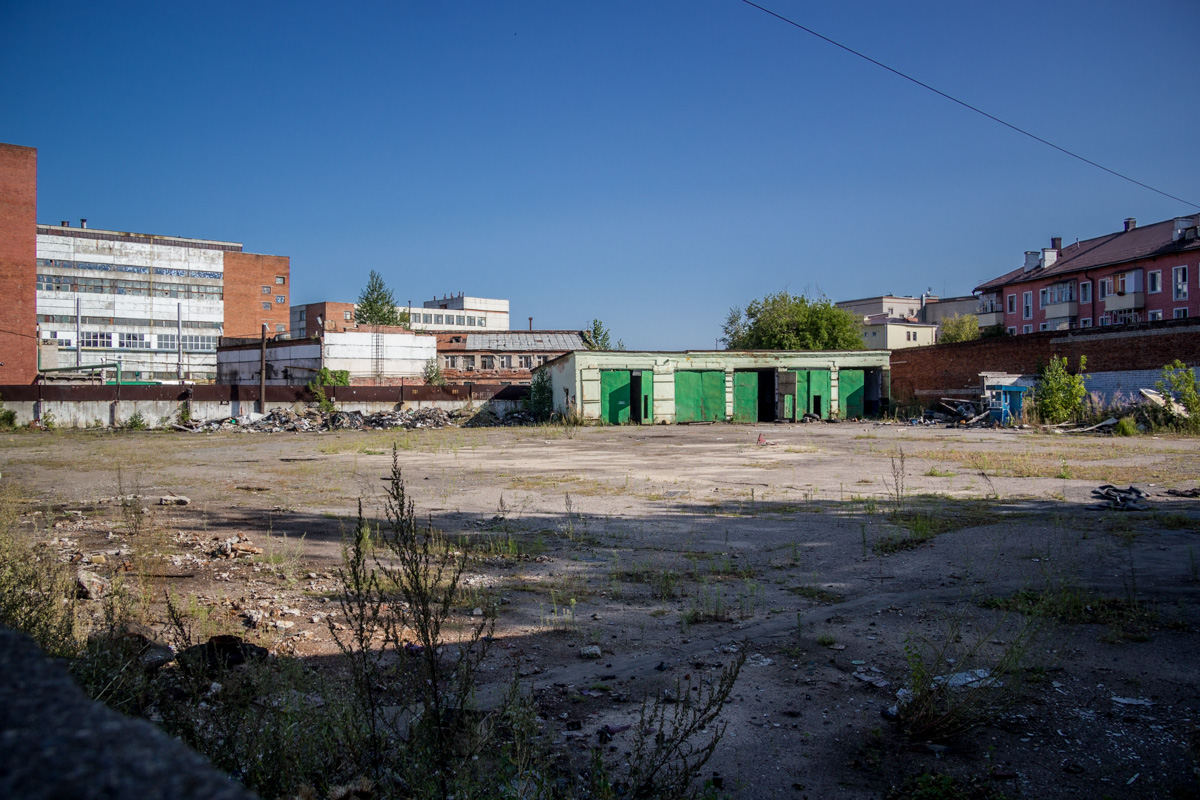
(457, 312)
(379, 356)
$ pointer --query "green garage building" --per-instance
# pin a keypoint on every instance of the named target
(644, 388)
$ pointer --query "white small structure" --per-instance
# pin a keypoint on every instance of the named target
(376, 356)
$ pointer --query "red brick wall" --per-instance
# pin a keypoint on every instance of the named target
(18, 264)
(926, 372)
(333, 314)
(245, 275)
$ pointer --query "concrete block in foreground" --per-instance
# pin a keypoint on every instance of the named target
(57, 743)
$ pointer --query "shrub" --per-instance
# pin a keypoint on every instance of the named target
(136, 422)
(1179, 384)
(8, 418)
(540, 401)
(1126, 426)
(433, 373)
(1060, 395)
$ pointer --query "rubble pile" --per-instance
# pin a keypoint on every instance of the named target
(283, 420)
(487, 418)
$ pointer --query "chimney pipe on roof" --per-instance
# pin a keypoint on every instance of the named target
(1056, 242)
(1181, 225)
(531, 323)
(66, 223)
(1031, 260)
(1130, 224)
(83, 223)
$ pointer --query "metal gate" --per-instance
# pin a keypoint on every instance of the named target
(699, 396)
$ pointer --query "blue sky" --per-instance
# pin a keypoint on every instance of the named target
(647, 163)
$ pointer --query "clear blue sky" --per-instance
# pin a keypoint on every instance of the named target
(648, 163)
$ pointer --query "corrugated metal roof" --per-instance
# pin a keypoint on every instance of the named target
(530, 341)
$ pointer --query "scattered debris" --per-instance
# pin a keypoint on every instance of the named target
(591, 651)
(1159, 400)
(1193, 492)
(312, 419)
(971, 679)
(90, 586)
(174, 500)
(1131, 499)
(1131, 701)
(220, 653)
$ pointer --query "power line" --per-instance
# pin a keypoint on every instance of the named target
(966, 105)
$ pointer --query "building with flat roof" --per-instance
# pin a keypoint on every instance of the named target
(643, 388)
(457, 312)
(156, 305)
(502, 356)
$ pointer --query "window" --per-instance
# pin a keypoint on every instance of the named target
(1179, 274)
(266, 290)
(505, 362)
(543, 359)
(471, 321)
(1085, 292)
(458, 320)
(167, 341)
(427, 319)
(1180, 313)
(266, 306)
(1012, 304)
(281, 328)
(891, 313)
(94, 339)
(437, 319)
(487, 362)
(1086, 322)
(451, 362)
(1044, 326)
(1104, 320)
(468, 362)
(193, 342)
(1154, 282)
(526, 362)
(1012, 331)
(1026, 328)
(1027, 306)
(1104, 288)
(1154, 316)
(481, 322)
(280, 280)
(348, 315)
(1043, 298)
(281, 299)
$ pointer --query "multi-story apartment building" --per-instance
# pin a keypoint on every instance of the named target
(1139, 274)
(155, 305)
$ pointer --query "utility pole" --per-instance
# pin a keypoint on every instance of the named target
(262, 374)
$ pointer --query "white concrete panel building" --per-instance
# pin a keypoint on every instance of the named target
(381, 357)
(154, 304)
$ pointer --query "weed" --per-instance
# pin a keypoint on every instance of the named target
(1126, 618)
(816, 593)
(826, 640)
(934, 472)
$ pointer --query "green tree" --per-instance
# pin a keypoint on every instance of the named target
(376, 305)
(1179, 383)
(433, 373)
(540, 400)
(959, 329)
(1060, 395)
(792, 322)
(596, 337)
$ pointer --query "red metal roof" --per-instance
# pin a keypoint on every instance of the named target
(1113, 248)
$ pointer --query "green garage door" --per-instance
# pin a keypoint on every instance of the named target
(699, 396)
(614, 396)
(850, 392)
(745, 397)
(812, 392)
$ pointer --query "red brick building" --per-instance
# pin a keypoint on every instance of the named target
(308, 319)
(1139, 274)
(18, 263)
(503, 356)
(156, 305)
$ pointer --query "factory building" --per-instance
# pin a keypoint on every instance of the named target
(154, 305)
(716, 386)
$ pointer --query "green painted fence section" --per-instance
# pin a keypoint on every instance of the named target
(699, 396)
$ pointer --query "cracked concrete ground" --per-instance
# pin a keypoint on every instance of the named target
(822, 553)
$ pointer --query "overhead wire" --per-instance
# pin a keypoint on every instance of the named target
(965, 104)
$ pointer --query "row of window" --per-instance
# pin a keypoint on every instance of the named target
(1116, 318)
(72, 283)
(129, 322)
(448, 319)
(491, 362)
(1118, 284)
(192, 343)
(58, 263)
